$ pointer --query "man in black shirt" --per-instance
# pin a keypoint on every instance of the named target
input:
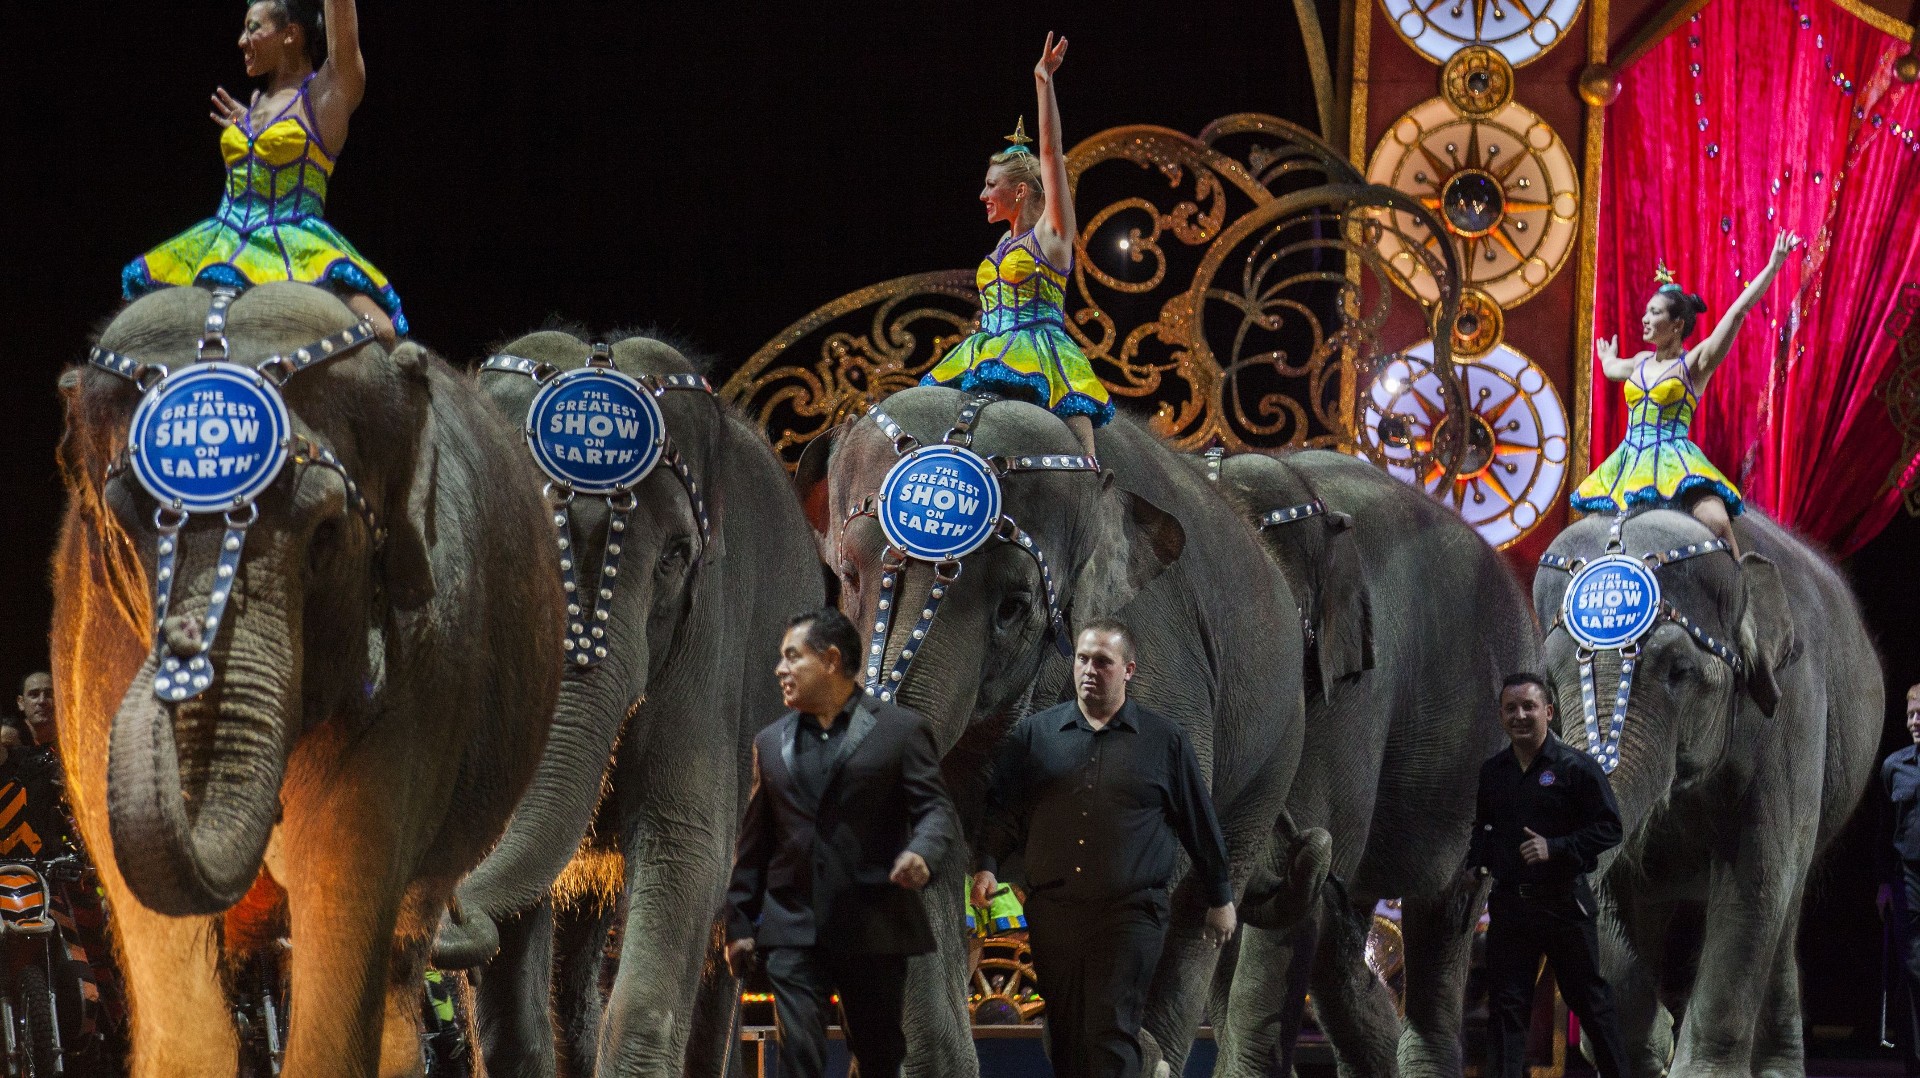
(1900, 860)
(1544, 817)
(1099, 790)
(846, 817)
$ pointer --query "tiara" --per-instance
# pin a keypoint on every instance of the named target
(1019, 137)
(1663, 277)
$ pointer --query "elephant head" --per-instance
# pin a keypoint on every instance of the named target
(1317, 550)
(330, 571)
(1705, 681)
(983, 651)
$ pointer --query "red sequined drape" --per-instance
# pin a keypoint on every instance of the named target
(1759, 115)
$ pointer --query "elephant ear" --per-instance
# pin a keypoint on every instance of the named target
(1134, 543)
(1344, 630)
(1766, 636)
(810, 480)
(409, 516)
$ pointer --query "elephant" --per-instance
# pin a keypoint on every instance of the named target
(1145, 541)
(383, 680)
(1415, 621)
(649, 749)
(1754, 714)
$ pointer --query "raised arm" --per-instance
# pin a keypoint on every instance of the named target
(1057, 226)
(342, 79)
(1708, 353)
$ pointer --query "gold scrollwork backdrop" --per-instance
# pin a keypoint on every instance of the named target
(1230, 287)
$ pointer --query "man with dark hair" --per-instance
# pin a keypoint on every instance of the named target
(1544, 816)
(36, 708)
(1100, 791)
(846, 818)
(1900, 867)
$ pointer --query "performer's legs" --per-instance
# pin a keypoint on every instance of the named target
(1514, 948)
(873, 994)
(1053, 936)
(363, 305)
(1573, 947)
(1082, 428)
(1107, 958)
(802, 989)
(1709, 509)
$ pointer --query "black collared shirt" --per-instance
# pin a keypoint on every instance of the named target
(1100, 811)
(1900, 776)
(1563, 797)
(816, 749)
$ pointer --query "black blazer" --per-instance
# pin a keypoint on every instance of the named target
(801, 878)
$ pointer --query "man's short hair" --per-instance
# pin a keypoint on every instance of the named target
(827, 628)
(1527, 677)
(1116, 627)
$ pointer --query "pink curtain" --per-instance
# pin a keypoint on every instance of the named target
(1759, 115)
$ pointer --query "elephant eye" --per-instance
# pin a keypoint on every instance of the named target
(326, 536)
(1013, 610)
(849, 575)
(676, 554)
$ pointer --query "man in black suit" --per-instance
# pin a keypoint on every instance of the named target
(846, 816)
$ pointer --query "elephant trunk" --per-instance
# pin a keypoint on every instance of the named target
(193, 789)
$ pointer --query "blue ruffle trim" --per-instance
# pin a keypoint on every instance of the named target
(994, 376)
(1650, 497)
(135, 283)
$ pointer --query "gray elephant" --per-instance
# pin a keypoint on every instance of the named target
(1147, 542)
(649, 746)
(1414, 620)
(1753, 713)
(379, 670)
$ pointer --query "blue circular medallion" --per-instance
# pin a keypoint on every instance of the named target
(939, 502)
(1613, 601)
(595, 430)
(209, 437)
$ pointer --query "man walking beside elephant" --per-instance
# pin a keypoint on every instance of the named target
(1099, 790)
(847, 813)
(1900, 896)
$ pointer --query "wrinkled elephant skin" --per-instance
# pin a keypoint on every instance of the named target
(341, 763)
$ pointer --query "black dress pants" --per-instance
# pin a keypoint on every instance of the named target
(1907, 910)
(1522, 930)
(873, 990)
(1095, 962)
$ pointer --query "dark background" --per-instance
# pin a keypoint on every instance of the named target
(717, 170)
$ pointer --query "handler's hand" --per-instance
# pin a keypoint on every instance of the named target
(1220, 924)
(740, 956)
(1534, 850)
(983, 885)
(910, 871)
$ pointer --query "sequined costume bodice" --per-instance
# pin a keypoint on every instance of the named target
(277, 174)
(1018, 286)
(1662, 409)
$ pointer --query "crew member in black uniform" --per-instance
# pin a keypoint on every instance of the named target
(846, 819)
(1900, 861)
(1545, 815)
(1100, 790)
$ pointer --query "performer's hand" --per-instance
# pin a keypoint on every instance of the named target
(1608, 349)
(740, 956)
(910, 871)
(1783, 245)
(226, 111)
(1534, 850)
(1220, 924)
(1050, 57)
(983, 885)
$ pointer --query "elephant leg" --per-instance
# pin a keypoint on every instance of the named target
(182, 1022)
(338, 1007)
(1355, 1009)
(1266, 1001)
(939, 1027)
(713, 1050)
(579, 954)
(1780, 1049)
(1633, 959)
(1751, 899)
(511, 1000)
(1177, 999)
(1438, 948)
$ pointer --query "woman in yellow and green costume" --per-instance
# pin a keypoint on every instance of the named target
(280, 151)
(1022, 349)
(1657, 465)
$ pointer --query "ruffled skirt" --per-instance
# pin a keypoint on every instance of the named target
(1037, 361)
(308, 250)
(1653, 468)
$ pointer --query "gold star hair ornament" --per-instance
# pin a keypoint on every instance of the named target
(1663, 277)
(1019, 137)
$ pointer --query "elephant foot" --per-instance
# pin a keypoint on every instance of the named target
(1280, 902)
(1151, 1061)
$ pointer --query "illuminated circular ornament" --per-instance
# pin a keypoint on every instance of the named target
(1478, 81)
(1440, 29)
(939, 502)
(595, 430)
(1613, 601)
(1503, 187)
(1478, 326)
(209, 437)
(1516, 437)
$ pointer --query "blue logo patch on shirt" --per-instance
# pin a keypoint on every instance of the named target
(1546, 778)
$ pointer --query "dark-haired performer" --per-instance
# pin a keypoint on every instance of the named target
(280, 150)
(1100, 791)
(846, 817)
(1656, 464)
(1544, 816)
